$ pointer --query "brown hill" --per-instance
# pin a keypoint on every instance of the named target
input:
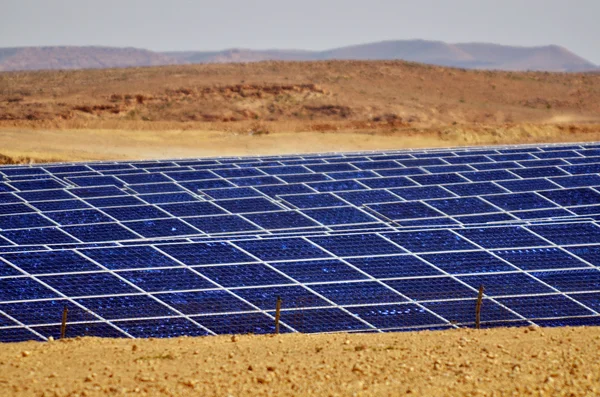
(52, 58)
(471, 56)
(295, 96)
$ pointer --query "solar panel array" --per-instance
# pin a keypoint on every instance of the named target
(357, 242)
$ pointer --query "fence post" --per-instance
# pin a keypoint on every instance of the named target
(277, 314)
(478, 307)
(63, 326)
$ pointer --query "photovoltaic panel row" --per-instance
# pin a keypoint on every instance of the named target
(546, 274)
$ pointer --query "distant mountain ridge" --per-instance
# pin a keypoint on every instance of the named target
(463, 55)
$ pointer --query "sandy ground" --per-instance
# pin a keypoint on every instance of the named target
(40, 145)
(497, 362)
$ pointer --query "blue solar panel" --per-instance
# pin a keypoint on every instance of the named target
(346, 240)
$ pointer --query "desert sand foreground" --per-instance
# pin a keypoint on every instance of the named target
(494, 362)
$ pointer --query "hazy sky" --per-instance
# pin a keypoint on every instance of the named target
(303, 24)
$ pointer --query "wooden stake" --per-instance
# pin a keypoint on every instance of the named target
(63, 326)
(478, 307)
(277, 314)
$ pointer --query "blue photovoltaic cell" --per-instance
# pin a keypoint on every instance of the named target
(161, 228)
(23, 288)
(507, 284)
(335, 186)
(314, 200)
(339, 216)
(375, 165)
(483, 176)
(394, 266)
(352, 175)
(161, 328)
(122, 307)
(221, 224)
(129, 257)
(437, 179)
(481, 219)
(322, 320)
(246, 205)
(502, 237)
(45, 312)
(114, 201)
(293, 296)
(23, 221)
(539, 172)
(195, 208)
(244, 275)
(44, 184)
(462, 206)
(165, 198)
(230, 193)
(564, 234)
(368, 197)
(420, 193)
(474, 189)
(278, 190)
(438, 169)
(434, 288)
(206, 253)
(47, 262)
(95, 181)
(165, 280)
(281, 220)
(319, 271)
(133, 213)
(395, 316)
(569, 197)
(528, 185)
(467, 262)
(240, 323)
(78, 217)
(590, 254)
(18, 208)
(461, 311)
(301, 178)
(544, 306)
(553, 213)
(430, 241)
(357, 245)
(401, 172)
(409, 210)
(577, 181)
(44, 195)
(88, 284)
(46, 235)
(358, 293)
(90, 192)
(156, 188)
(571, 280)
(282, 249)
(389, 182)
(100, 232)
(255, 181)
(61, 205)
(519, 201)
(8, 198)
(205, 302)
